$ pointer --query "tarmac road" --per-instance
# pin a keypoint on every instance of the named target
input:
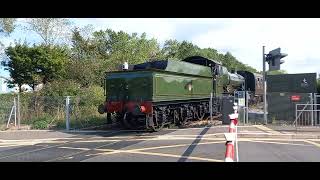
(169, 145)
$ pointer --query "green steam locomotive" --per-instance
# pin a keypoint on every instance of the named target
(155, 94)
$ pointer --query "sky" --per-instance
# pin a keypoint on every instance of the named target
(242, 37)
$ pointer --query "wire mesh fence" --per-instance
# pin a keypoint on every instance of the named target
(5, 108)
(50, 112)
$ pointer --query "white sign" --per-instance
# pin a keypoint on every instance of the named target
(241, 102)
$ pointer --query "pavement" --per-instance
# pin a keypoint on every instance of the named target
(256, 143)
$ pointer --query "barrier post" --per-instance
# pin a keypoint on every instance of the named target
(231, 137)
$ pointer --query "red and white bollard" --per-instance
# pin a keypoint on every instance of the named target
(231, 136)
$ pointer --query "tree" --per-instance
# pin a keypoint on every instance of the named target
(318, 85)
(19, 65)
(231, 62)
(104, 51)
(7, 25)
(34, 65)
(49, 62)
(51, 30)
(170, 49)
(187, 49)
(85, 72)
(275, 72)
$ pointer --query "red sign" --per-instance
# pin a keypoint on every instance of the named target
(295, 98)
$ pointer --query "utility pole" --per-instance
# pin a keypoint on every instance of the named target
(264, 86)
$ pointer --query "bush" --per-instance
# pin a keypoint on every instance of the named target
(39, 109)
(41, 122)
(61, 88)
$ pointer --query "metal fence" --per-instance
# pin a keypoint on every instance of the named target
(48, 112)
(293, 109)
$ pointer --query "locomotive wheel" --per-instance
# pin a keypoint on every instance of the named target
(109, 119)
(176, 117)
(133, 122)
(119, 118)
(156, 126)
(200, 115)
(183, 120)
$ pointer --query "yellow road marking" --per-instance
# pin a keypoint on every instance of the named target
(74, 148)
(276, 143)
(10, 145)
(172, 155)
(31, 143)
(28, 140)
(313, 143)
(101, 140)
(155, 154)
(176, 145)
(264, 128)
(72, 154)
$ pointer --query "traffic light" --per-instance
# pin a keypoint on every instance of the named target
(274, 59)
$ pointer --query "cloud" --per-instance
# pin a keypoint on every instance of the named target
(299, 38)
(244, 38)
(161, 29)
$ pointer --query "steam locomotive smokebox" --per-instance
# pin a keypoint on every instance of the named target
(226, 108)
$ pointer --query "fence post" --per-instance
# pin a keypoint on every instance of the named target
(312, 103)
(296, 114)
(211, 106)
(247, 107)
(15, 111)
(67, 113)
(316, 109)
(19, 120)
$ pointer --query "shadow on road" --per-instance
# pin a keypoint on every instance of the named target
(193, 145)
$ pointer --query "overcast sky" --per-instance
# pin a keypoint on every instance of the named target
(244, 38)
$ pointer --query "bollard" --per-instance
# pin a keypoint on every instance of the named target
(231, 136)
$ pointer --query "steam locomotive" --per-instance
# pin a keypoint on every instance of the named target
(156, 94)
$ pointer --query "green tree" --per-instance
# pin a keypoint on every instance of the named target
(7, 25)
(170, 49)
(318, 85)
(34, 65)
(275, 72)
(49, 62)
(19, 64)
(104, 51)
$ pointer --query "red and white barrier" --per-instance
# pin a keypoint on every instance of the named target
(231, 137)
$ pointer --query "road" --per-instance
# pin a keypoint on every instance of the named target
(169, 145)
